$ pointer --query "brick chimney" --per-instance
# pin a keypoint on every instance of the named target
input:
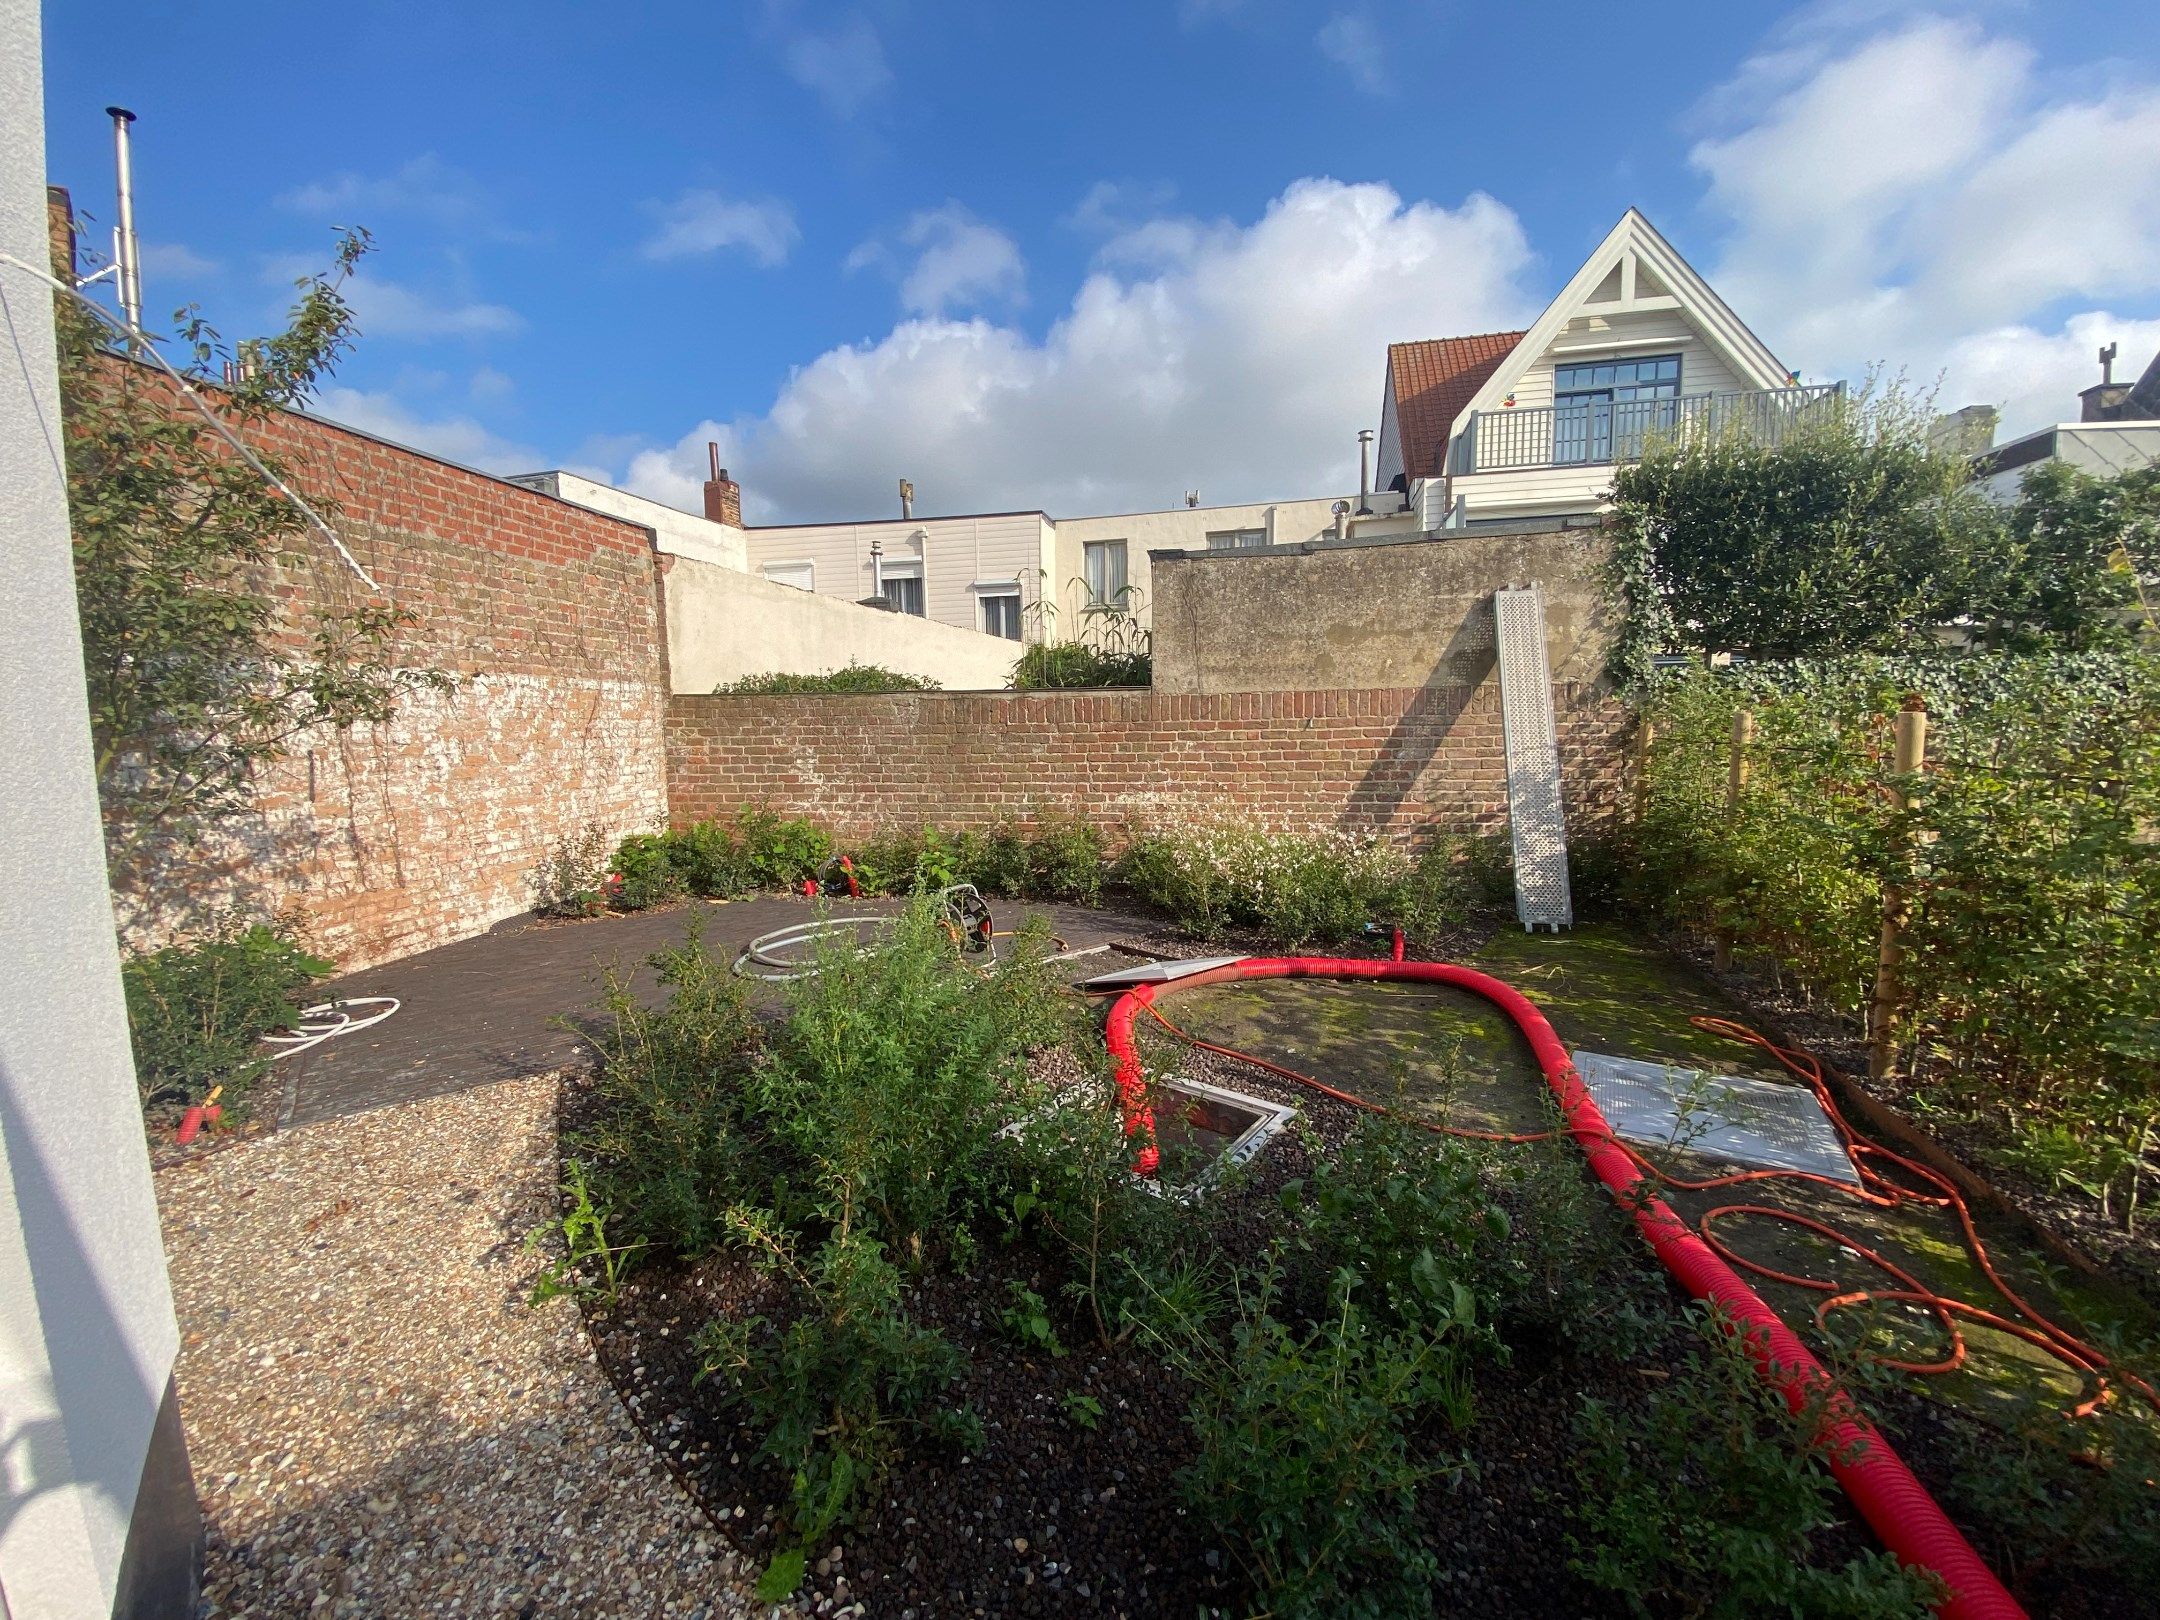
(60, 233)
(723, 496)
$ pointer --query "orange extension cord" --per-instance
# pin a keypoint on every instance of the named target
(1875, 1189)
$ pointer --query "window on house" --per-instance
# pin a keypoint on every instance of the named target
(904, 587)
(1001, 614)
(1236, 539)
(1604, 409)
(801, 575)
(1102, 564)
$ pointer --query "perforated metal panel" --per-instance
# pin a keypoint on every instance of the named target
(1536, 820)
(1762, 1123)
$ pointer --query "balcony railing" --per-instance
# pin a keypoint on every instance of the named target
(1604, 431)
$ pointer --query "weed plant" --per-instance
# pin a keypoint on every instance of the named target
(197, 1011)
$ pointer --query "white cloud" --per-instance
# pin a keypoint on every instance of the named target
(844, 66)
(1111, 206)
(454, 438)
(960, 262)
(1241, 360)
(161, 259)
(1352, 43)
(1922, 196)
(491, 386)
(425, 188)
(700, 222)
(390, 309)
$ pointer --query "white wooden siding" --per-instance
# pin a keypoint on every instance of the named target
(957, 554)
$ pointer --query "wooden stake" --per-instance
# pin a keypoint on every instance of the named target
(1882, 1010)
(1736, 775)
(1645, 737)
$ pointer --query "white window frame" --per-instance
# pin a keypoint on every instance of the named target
(1089, 549)
(906, 568)
(985, 595)
(1249, 539)
(808, 568)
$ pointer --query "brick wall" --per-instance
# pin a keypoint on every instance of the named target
(389, 839)
(1405, 760)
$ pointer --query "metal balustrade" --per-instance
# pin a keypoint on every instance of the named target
(1604, 431)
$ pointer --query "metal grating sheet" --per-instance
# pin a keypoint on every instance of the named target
(1536, 819)
(1759, 1123)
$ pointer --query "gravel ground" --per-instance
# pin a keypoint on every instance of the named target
(379, 1424)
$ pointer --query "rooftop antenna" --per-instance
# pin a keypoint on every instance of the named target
(125, 256)
(907, 499)
(2107, 365)
(1192, 497)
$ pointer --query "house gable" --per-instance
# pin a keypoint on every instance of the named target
(1634, 294)
(1427, 386)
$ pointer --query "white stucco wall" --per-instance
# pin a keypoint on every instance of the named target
(1181, 528)
(2103, 449)
(87, 1336)
(723, 625)
(961, 558)
(678, 533)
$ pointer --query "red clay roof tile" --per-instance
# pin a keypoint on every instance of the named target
(1434, 380)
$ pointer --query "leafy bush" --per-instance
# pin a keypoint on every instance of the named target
(708, 860)
(1065, 860)
(197, 1012)
(1300, 888)
(675, 1143)
(1067, 664)
(997, 862)
(571, 880)
(2031, 988)
(855, 679)
(1304, 1456)
(889, 1078)
(644, 872)
(839, 1387)
(779, 852)
(2083, 552)
(1706, 1500)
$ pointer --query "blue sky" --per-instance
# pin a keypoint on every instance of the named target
(1088, 257)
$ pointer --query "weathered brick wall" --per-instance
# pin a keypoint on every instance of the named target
(389, 839)
(1403, 760)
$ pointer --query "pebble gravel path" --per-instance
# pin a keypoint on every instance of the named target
(379, 1424)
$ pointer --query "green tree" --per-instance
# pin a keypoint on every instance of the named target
(1852, 532)
(198, 675)
(2082, 553)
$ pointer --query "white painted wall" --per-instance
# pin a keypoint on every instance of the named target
(961, 558)
(1181, 528)
(87, 1336)
(2102, 449)
(677, 533)
(723, 625)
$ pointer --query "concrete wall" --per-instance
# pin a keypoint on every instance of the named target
(97, 1511)
(1414, 612)
(723, 625)
(1409, 761)
(675, 533)
(960, 558)
(389, 839)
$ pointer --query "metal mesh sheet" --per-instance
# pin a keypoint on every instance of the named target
(1758, 1123)
(1536, 818)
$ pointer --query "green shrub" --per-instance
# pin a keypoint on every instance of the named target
(1299, 888)
(571, 879)
(1305, 1460)
(708, 860)
(1706, 1499)
(996, 862)
(674, 1144)
(857, 679)
(644, 872)
(1065, 860)
(197, 1012)
(1076, 664)
(779, 852)
(839, 1388)
(891, 1075)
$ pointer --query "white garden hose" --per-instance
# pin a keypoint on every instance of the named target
(326, 1020)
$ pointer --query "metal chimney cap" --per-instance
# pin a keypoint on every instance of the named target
(119, 112)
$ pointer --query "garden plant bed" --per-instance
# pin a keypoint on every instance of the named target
(1075, 1496)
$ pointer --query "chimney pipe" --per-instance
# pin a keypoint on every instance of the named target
(723, 496)
(907, 500)
(125, 256)
(1364, 472)
(1341, 510)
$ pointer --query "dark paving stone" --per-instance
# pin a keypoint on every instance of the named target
(485, 1009)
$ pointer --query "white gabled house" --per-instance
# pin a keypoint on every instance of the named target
(1506, 426)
